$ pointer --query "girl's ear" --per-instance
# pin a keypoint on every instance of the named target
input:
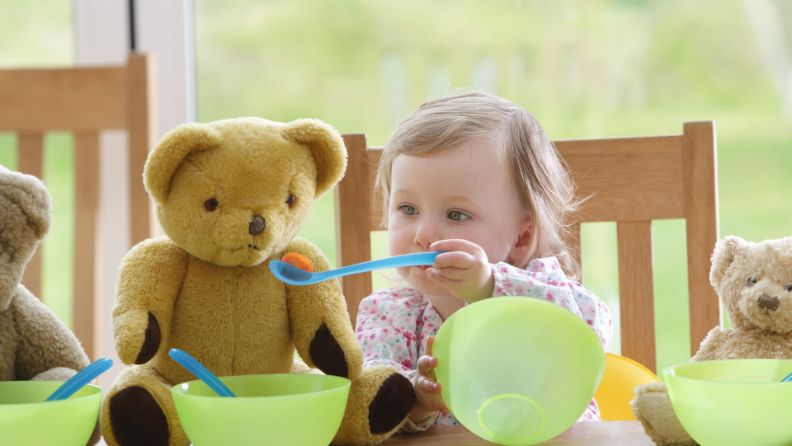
(523, 245)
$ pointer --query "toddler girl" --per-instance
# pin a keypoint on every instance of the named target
(473, 175)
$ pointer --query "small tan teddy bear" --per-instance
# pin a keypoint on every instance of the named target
(754, 282)
(34, 343)
(231, 195)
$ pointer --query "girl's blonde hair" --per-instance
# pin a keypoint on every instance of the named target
(540, 175)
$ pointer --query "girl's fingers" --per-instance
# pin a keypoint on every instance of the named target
(454, 259)
(429, 344)
(455, 244)
(448, 274)
(426, 365)
(426, 385)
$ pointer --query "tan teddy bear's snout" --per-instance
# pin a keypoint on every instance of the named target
(767, 303)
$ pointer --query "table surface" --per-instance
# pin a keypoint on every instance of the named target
(606, 433)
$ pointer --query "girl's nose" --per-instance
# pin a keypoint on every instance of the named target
(425, 234)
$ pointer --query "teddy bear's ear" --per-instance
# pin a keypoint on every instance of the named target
(175, 146)
(32, 197)
(327, 148)
(726, 250)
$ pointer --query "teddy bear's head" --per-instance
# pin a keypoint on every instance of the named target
(754, 282)
(24, 220)
(233, 192)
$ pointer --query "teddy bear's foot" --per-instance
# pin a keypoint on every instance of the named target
(139, 410)
(137, 418)
(379, 402)
(652, 407)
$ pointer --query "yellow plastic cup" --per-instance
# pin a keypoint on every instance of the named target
(26, 419)
(517, 370)
(733, 402)
(287, 409)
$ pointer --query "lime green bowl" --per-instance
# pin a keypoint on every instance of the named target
(733, 402)
(268, 409)
(517, 370)
(26, 419)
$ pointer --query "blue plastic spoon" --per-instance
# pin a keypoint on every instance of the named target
(198, 369)
(787, 378)
(292, 275)
(83, 377)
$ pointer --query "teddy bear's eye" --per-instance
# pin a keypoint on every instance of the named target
(291, 200)
(751, 281)
(211, 204)
(788, 287)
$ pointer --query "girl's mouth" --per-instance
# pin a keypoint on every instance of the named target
(424, 267)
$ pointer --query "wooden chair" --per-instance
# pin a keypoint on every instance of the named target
(83, 101)
(630, 181)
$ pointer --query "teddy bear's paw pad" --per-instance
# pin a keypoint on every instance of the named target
(151, 341)
(327, 354)
(137, 419)
(393, 402)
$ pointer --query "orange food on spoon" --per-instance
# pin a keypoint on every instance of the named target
(298, 260)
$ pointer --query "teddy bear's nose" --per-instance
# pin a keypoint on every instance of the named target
(768, 302)
(256, 225)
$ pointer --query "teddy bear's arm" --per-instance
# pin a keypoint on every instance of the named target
(148, 283)
(45, 343)
(320, 325)
(711, 346)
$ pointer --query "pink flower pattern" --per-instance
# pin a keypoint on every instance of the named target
(393, 324)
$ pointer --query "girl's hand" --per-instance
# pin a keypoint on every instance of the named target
(463, 269)
(427, 390)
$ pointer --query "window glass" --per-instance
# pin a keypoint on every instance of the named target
(583, 68)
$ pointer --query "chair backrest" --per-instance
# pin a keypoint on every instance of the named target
(83, 101)
(630, 181)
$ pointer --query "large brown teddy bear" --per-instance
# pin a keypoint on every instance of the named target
(230, 196)
(34, 343)
(754, 282)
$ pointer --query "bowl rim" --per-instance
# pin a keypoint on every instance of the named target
(670, 372)
(526, 302)
(342, 383)
(97, 391)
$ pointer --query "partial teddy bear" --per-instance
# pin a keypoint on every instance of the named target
(34, 343)
(232, 195)
(754, 282)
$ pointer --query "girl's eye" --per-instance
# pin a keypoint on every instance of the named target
(406, 209)
(291, 200)
(751, 281)
(211, 204)
(458, 216)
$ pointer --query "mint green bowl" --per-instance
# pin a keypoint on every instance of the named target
(26, 419)
(517, 370)
(734, 402)
(287, 409)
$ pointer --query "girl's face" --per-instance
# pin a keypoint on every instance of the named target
(463, 192)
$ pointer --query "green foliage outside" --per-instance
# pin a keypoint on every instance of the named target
(584, 68)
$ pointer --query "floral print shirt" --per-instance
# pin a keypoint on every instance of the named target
(393, 324)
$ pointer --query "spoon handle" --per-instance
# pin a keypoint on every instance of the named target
(417, 258)
(198, 369)
(83, 377)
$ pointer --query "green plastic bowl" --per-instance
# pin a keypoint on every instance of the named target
(517, 370)
(286, 409)
(733, 402)
(26, 419)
